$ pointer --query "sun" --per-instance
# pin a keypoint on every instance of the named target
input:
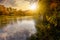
(33, 6)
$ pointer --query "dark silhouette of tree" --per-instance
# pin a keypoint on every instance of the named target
(48, 28)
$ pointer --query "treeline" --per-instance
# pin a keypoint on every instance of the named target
(13, 12)
(7, 14)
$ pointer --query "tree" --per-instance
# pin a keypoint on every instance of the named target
(47, 29)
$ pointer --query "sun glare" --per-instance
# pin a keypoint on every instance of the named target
(33, 7)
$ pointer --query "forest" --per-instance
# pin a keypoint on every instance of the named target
(49, 27)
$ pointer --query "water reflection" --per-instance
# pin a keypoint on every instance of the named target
(18, 30)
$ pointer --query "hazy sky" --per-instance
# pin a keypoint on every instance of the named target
(19, 4)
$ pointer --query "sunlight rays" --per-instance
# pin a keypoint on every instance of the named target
(33, 6)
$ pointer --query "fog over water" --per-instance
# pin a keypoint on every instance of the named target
(18, 30)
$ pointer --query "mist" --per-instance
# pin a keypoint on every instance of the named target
(19, 30)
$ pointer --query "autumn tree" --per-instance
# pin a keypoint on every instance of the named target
(3, 10)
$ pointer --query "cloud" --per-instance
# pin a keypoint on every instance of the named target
(31, 0)
(2, 1)
(8, 2)
(11, 2)
(18, 4)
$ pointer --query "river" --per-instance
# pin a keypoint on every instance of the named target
(18, 29)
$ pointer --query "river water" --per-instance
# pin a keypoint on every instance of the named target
(20, 29)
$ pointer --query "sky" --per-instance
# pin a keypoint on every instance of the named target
(19, 4)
